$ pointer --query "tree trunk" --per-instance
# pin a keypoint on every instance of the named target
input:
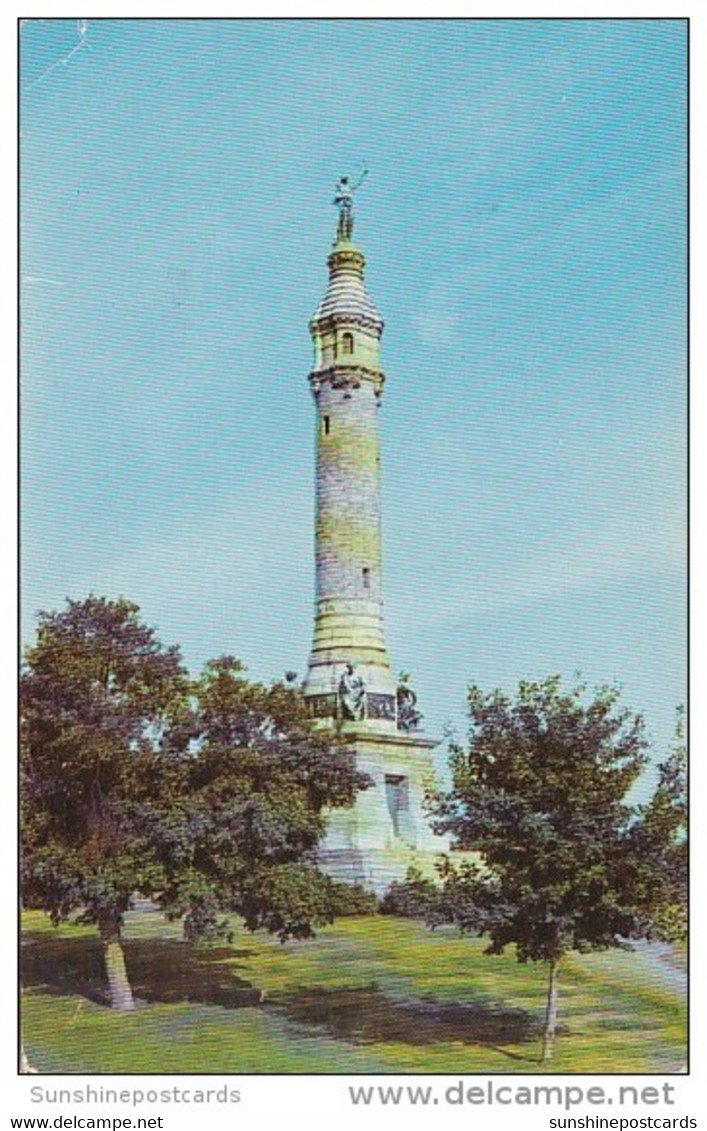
(550, 1012)
(121, 995)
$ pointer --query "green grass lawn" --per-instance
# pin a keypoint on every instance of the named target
(370, 994)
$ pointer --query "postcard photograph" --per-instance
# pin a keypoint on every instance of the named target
(353, 547)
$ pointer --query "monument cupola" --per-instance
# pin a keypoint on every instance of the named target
(346, 327)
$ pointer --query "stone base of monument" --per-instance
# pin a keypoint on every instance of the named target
(377, 870)
(387, 830)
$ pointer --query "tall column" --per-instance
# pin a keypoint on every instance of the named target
(347, 384)
(349, 681)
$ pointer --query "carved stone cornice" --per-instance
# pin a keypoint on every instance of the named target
(346, 259)
(346, 377)
(346, 318)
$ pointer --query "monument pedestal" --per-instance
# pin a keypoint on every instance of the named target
(387, 830)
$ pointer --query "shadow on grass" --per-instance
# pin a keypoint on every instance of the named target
(364, 1015)
(170, 971)
(160, 970)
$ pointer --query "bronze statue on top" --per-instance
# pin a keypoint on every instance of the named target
(343, 200)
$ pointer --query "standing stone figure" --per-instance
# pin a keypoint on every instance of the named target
(352, 694)
(409, 717)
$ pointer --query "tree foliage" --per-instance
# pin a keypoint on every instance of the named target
(99, 698)
(255, 792)
(415, 897)
(205, 796)
(565, 863)
(656, 863)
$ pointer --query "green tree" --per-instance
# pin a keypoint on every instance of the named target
(255, 796)
(207, 796)
(540, 794)
(101, 701)
(656, 865)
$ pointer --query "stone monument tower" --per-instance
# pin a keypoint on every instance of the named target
(349, 682)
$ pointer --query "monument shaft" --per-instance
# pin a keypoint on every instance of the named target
(347, 383)
(349, 682)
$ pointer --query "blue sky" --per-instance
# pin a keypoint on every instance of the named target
(524, 226)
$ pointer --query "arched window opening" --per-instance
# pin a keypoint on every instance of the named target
(366, 577)
(347, 343)
(326, 425)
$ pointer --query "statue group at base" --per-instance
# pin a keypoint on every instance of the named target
(352, 700)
